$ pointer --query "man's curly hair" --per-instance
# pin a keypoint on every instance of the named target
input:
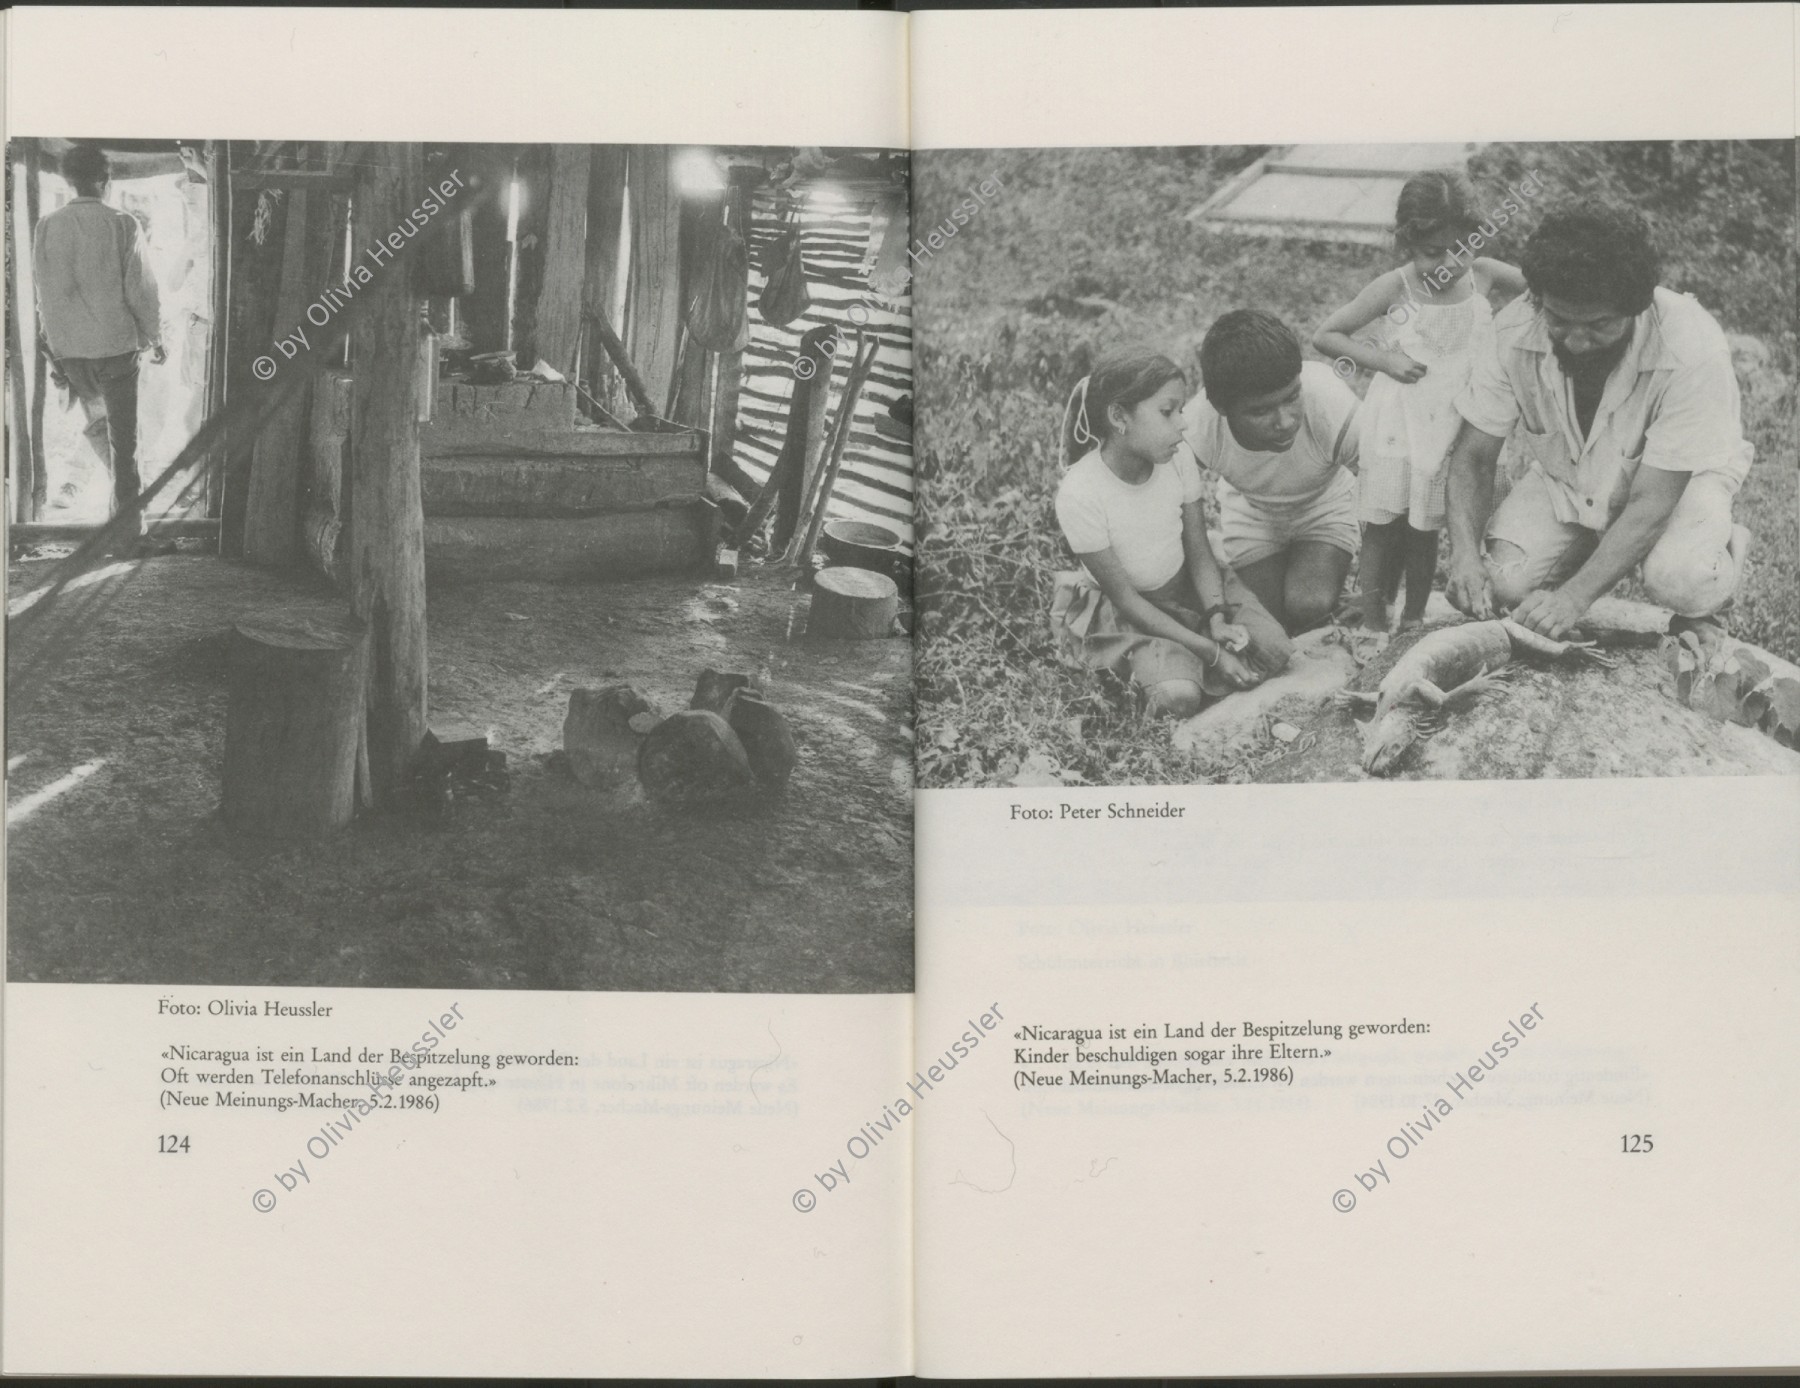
(1593, 253)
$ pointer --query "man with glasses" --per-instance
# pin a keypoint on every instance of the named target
(1621, 397)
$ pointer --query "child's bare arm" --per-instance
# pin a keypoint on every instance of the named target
(1334, 338)
(1507, 279)
(1208, 580)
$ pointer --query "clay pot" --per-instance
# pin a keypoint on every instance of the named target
(767, 739)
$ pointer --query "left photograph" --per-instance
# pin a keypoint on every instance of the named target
(477, 565)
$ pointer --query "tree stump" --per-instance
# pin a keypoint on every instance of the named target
(294, 720)
(768, 740)
(691, 758)
(853, 604)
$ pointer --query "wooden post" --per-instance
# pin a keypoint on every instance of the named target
(530, 250)
(254, 272)
(603, 283)
(40, 353)
(19, 421)
(218, 346)
(729, 382)
(386, 557)
(292, 721)
(488, 169)
(272, 513)
(328, 434)
(653, 320)
(565, 251)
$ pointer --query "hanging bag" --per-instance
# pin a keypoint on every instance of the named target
(785, 296)
(719, 315)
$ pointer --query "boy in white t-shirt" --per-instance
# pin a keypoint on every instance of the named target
(1281, 435)
(1152, 602)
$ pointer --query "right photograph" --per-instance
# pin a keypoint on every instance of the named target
(1312, 463)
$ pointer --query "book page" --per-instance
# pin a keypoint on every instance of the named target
(1357, 889)
(459, 892)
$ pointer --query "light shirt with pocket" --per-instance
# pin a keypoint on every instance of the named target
(1326, 442)
(1139, 521)
(96, 291)
(1671, 403)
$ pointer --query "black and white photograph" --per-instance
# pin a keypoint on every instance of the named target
(1332, 462)
(480, 565)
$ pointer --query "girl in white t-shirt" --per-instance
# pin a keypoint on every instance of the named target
(1151, 603)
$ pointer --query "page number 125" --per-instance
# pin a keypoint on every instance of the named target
(1636, 1142)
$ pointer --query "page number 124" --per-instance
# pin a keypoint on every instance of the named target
(1636, 1142)
(171, 1144)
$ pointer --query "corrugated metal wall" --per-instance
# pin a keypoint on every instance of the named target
(876, 483)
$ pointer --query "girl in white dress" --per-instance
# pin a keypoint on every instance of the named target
(1435, 314)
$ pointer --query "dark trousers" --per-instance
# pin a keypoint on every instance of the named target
(107, 388)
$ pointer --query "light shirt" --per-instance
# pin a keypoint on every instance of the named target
(1327, 441)
(96, 292)
(1140, 522)
(1671, 403)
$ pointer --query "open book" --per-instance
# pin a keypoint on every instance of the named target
(993, 694)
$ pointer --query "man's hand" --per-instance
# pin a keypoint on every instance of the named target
(57, 378)
(1237, 674)
(1227, 633)
(1549, 612)
(1469, 588)
(157, 355)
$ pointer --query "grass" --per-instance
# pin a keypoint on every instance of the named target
(1076, 233)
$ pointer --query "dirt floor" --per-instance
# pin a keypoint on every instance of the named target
(131, 876)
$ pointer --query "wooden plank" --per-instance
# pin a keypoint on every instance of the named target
(562, 443)
(387, 550)
(186, 527)
(565, 251)
(653, 318)
(616, 545)
(568, 487)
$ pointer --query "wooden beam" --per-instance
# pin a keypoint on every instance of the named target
(565, 252)
(386, 556)
(653, 318)
(294, 180)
